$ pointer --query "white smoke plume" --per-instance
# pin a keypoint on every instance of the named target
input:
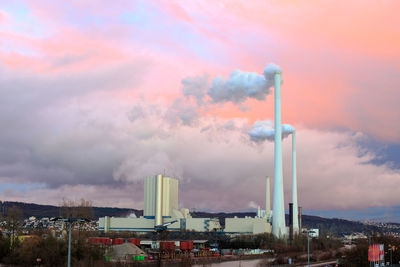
(242, 85)
(264, 130)
(196, 87)
(131, 215)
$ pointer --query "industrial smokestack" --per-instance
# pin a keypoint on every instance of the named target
(267, 196)
(159, 187)
(290, 221)
(278, 218)
(300, 219)
(294, 186)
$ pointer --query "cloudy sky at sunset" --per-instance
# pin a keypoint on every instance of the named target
(95, 96)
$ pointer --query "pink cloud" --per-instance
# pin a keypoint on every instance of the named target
(3, 16)
(338, 74)
(220, 169)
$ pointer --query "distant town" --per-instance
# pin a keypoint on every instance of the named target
(330, 240)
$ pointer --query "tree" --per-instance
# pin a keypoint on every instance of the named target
(76, 209)
(13, 224)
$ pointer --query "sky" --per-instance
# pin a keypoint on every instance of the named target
(96, 96)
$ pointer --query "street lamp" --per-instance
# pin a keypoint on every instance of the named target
(308, 246)
(70, 221)
(390, 249)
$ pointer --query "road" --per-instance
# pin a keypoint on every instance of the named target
(322, 264)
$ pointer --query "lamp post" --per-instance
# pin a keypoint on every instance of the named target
(69, 244)
(390, 249)
(308, 246)
(308, 249)
(69, 221)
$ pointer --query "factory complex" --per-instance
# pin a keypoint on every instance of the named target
(160, 212)
(161, 201)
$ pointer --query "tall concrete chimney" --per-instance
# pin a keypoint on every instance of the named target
(267, 196)
(294, 186)
(278, 216)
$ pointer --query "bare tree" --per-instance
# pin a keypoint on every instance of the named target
(76, 209)
(13, 224)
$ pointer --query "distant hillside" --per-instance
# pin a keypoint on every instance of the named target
(39, 211)
(325, 225)
(337, 226)
(333, 226)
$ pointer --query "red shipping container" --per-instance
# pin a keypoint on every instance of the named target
(99, 240)
(186, 245)
(134, 241)
(118, 241)
(105, 240)
(167, 245)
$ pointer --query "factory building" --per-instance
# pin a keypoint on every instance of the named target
(247, 225)
(160, 198)
(160, 209)
(130, 224)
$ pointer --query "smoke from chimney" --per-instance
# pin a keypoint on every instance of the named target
(242, 85)
(264, 130)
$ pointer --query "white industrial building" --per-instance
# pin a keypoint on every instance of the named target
(253, 225)
(160, 198)
(160, 208)
(247, 225)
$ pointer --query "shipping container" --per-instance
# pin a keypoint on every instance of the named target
(186, 245)
(134, 241)
(118, 241)
(167, 245)
(99, 240)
